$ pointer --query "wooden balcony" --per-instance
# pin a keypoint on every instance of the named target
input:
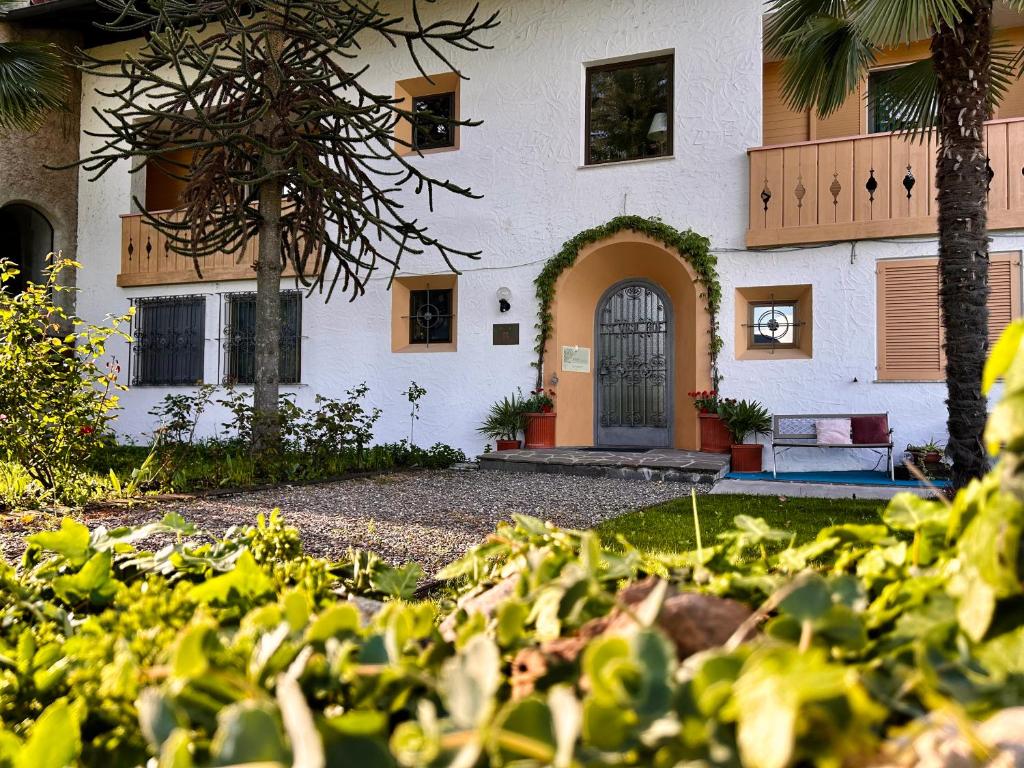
(874, 186)
(147, 260)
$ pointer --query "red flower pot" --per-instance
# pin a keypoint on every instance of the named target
(507, 445)
(540, 430)
(714, 437)
(747, 457)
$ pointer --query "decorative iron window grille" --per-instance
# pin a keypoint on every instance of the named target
(430, 316)
(433, 126)
(774, 324)
(240, 338)
(169, 339)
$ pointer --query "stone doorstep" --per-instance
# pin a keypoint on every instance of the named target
(658, 466)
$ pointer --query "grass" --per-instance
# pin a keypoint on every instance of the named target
(668, 528)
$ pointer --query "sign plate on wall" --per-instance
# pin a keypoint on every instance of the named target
(576, 359)
(506, 334)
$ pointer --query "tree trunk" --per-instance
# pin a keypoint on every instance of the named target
(962, 59)
(266, 427)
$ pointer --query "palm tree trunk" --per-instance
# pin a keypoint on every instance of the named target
(962, 57)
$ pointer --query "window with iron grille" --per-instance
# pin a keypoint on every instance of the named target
(240, 338)
(434, 115)
(430, 316)
(169, 339)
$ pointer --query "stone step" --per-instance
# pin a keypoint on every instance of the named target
(659, 464)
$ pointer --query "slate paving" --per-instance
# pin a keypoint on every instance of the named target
(658, 464)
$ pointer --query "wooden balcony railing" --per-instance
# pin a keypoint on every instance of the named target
(862, 187)
(146, 259)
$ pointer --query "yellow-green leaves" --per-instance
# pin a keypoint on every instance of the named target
(53, 741)
(245, 581)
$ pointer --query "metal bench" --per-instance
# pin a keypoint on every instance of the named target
(797, 431)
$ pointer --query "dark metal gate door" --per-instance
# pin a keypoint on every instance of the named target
(634, 349)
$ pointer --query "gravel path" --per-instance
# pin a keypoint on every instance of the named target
(429, 517)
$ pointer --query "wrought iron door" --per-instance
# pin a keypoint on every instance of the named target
(634, 383)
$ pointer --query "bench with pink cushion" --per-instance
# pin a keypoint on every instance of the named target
(867, 430)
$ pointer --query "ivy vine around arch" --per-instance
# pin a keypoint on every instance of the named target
(695, 249)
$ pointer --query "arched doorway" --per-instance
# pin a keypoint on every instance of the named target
(633, 339)
(26, 238)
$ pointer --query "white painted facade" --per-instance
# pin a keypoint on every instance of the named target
(526, 159)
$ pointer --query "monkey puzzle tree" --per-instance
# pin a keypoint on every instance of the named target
(287, 144)
(827, 47)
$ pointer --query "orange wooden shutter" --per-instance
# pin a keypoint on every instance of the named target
(1003, 292)
(909, 321)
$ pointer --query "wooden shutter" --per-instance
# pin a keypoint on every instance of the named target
(910, 319)
(1003, 292)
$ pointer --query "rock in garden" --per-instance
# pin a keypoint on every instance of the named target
(485, 602)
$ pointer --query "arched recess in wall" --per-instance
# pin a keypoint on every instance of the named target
(26, 238)
(569, 290)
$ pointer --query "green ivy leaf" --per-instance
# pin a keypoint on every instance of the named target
(469, 681)
(246, 580)
(249, 732)
(92, 583)
(71, 541)
(399, 583)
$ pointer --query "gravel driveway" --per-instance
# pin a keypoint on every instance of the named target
(429, 517)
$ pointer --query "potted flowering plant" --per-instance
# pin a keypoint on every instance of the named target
(714, 437)
(540, 419)
(505, 420)
(742, 418)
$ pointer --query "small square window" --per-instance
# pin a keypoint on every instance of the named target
(433, 128)
(169, 341)
(240, 339)
(430, 316)
(774, 325)
(629, 110)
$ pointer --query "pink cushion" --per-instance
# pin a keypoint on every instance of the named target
(867, 430)
(833, 431)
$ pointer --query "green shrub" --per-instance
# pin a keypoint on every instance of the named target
(57, 397)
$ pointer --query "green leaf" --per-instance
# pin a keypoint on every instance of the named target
(1003, 354)
(246, 581)
(158, 717)
(92, 583)
(810, 600)
(71, 541)
(249, 732)
(399, 583)
(522, 729)
(54, 740)
(469, 681)
(338, 619)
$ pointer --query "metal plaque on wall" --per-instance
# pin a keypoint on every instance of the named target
(506, 334)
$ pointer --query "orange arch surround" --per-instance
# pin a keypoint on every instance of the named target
(624, 256)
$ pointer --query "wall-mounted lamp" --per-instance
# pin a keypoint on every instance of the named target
(504, 296)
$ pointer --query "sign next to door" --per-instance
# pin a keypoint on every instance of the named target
(576, 359)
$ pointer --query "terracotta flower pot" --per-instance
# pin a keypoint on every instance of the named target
(746, 457)
(540, 430)
(714, 437)
(507, 445)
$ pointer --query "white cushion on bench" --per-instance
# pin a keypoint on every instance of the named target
(833, 431)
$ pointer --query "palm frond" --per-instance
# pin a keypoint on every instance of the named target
(33, 81)
(910, 97)
(786, 17)
(827, 60)
(888, 23)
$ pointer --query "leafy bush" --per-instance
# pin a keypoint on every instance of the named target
(240, 651)
(56, 397)
(744, 417)
(506, 419)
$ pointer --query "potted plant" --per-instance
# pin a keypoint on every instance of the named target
(927, 457)
(714, 437)
(505, 420)
(742, 418)
(540, 419)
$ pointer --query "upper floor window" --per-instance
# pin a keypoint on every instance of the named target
(434, 115)
(887, 109)
(240, 338)
(629, 110)
(169, 341)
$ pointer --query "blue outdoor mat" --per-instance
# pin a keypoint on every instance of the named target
(853, 477)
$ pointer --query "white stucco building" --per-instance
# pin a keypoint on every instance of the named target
(800, 235)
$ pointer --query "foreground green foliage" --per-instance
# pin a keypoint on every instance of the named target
(243, 651)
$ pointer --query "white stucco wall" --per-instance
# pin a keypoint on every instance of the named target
(526, 160)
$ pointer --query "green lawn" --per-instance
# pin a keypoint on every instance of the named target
(668, 528)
